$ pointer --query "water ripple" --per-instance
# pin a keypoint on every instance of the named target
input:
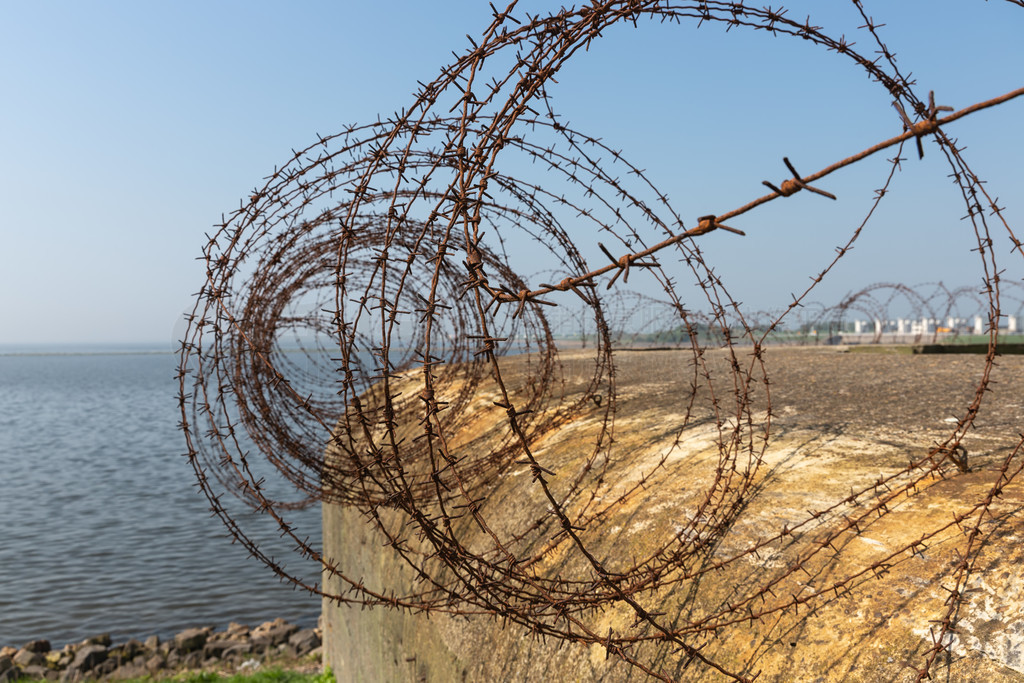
(103, 530)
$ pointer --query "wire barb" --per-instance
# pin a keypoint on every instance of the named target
(366, 338)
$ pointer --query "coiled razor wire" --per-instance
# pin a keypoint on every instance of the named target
(383, 253)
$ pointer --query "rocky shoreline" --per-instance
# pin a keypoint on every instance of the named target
(237, 648)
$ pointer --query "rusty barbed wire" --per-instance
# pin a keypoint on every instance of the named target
(365, 330)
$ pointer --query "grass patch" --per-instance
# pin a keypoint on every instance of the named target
(268, 676)
(275, 675)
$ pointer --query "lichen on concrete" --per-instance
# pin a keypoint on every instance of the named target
(839, 422)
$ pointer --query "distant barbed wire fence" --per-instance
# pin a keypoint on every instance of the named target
(945, 314)
(874, 314)
(392, 253)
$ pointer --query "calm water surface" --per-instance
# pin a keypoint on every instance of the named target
(102, 528)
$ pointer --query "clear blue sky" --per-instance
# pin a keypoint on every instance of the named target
(128, 128)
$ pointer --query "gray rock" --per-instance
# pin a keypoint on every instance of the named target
(191, 639)
(152, 643)
(104, 669)
(11, 674)
(154, 663)
(41, 672)
(304, 641)
(102, 639)
(63, 659)
(127, 671)
(131, 649)
(26, 658)
(87, 657)
(42, 646)
(218, 647)
(235, 629)
(237, 651)
(6, 664)
(116, 654)
(193, 660)
(272, 633)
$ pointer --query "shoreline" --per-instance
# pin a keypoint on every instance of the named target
(238, 647)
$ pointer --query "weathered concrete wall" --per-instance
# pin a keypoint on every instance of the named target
(376, 645)
(840, 422)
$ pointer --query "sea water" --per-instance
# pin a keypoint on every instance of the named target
(102, 526)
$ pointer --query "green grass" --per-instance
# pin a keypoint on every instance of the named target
(267, 676)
